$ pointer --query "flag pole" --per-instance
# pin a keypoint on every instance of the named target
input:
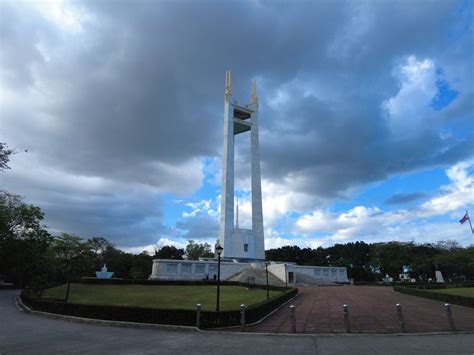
(469, 219)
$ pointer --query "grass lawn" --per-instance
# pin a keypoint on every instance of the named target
(163, 296)
(461, 291)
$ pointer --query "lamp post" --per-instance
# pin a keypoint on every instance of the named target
(219, 250)
(69, 279)
(266, 272)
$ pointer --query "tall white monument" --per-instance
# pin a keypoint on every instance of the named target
(240, 242)
(244, 249)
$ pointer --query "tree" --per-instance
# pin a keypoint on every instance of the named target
(141, 266)
(68, 246)
(73, 255)
(23, 239)
(98, 244)
(169, 252)
(194, 251)
(4, 156)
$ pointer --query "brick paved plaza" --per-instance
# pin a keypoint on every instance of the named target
(372, 310)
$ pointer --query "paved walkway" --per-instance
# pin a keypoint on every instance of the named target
(371, 309)
(24, 333)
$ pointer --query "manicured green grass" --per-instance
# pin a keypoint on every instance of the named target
(461, 291)
(162, 296)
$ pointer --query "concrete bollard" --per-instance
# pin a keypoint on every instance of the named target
(347, 322)
(198, 314)
(401, 320)
(293, 318)
(449, 314)
(243, 307)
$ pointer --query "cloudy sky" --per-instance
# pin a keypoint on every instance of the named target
(366, 117)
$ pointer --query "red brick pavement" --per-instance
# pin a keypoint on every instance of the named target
(371, 309)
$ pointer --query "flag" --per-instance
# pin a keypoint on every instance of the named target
(465, 218)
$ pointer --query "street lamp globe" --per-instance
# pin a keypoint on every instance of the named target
(219, 248)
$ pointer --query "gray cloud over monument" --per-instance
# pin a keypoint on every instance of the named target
(131, 101)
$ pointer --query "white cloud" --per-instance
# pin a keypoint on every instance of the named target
(410, 107)
(371, 223)
(459, 194)
(62, 13)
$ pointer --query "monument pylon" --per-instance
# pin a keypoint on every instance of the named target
(239, 242)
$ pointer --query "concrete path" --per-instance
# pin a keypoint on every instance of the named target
(21, 333)
(371, 309)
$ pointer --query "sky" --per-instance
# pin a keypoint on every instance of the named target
(115, 110)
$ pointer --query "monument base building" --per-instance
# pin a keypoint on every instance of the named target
(287, 273)
(243, 249)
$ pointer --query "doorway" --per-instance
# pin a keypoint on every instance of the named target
(291, 277)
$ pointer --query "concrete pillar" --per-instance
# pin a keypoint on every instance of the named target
(243, 307)
(449, 314)
(257, 210)
(293, 318)
(401, 319)
(198, 314)
(227, 192)
(347, 322)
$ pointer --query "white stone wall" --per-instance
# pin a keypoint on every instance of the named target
(324, 273)
(278, 270)
(164, 269)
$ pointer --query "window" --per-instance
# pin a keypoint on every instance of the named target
(246, 247)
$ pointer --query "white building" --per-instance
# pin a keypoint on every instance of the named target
(288, 273)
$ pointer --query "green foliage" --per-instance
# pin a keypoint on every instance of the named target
(98, 245)
(4, 156)
(194, 251)
(169, 252)
(23, 239)
(68, 247)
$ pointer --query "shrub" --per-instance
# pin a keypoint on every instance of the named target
(443, 297)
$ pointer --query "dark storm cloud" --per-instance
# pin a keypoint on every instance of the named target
(136, 96)
(401, 198)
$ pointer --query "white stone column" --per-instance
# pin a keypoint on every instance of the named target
(227, 192)
(257, 211)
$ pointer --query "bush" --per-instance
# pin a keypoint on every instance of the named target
(443, 297)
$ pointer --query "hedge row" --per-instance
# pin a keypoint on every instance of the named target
(421, 285)
(208, 319)
(435, 286)
(443, 297)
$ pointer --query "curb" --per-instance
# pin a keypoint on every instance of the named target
(24, 308)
